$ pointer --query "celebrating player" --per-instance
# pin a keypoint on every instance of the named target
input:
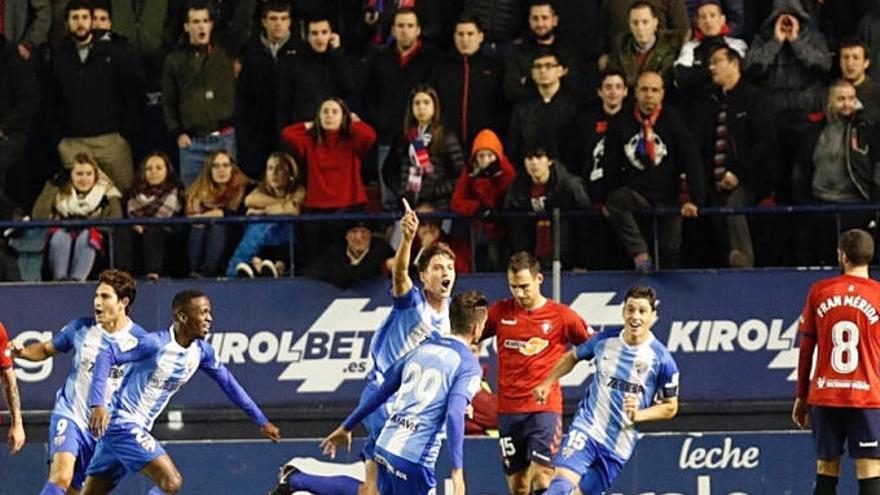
(841, 403)
(636, 381)
(162, 362)
(433, 386)
(415, 315)
(71, 445)
(16, 436)
(532, 333)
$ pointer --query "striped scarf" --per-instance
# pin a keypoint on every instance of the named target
(645, 148)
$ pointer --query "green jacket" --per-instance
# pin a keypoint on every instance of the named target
(199, 91)
(660, 58)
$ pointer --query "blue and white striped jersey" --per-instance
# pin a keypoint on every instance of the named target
(160, 367)
(428, 377)
(411, 321)
(646, 370)
(88, 339)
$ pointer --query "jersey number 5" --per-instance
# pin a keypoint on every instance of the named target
(845, 353)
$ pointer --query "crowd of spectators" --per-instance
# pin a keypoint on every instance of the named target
(477, 107)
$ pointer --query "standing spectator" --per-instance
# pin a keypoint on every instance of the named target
(218, 191)
(26, 24)
(646, 153)
(19, 103)
(691, 69)
(549, 116)
(332, 147)
(469, 83)
(256, 93)
(541, 38)
(854, 63)
(841, 416)
(199, 87)
(231, 19)
(87, 194)
(436, 18)
(393, 73)
(788, 60)
(838, 163)
(480, 192)
(734, 131)
(672, 17)
(869, 30)
(502, 21)
(264, 245)
(16, 435)
(734, 12)
(157, 193)
(362, 256)
(542, 186)
(353, 20)
(644, 47)
(427, 157)
(318, 70)
(95, 96)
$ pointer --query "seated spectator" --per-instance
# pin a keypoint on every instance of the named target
(692, 66)
(217, 191)
(427, 160)
(157, 193)
(360, 258)
(854, 63)
(549, 116)
(480, 192)
(644, 47)
(430, 232)
(88, 193)
(646, 152)
(543, 185)
(734, 132)
(839, 163)
(788, 60)
(332, 147)
(264, 246)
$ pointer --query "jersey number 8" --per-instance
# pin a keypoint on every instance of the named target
(845, 354)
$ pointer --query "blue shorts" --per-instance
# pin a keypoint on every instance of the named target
(597, 465)
(66, 436)
(528, 437)
(398, 476)
(834, 426)
(124, 448)
(374, 422)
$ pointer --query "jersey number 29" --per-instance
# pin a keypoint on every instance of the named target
(423, 384)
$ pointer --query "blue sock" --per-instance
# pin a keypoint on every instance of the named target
(155, 491)
(324, 485)
(560, 486)
(52, 489)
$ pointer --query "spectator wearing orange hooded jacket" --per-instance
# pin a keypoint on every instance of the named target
(480, 191)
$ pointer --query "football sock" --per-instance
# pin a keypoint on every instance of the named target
(869, 486)
(825, 485)
(325, 485)
(52, 489)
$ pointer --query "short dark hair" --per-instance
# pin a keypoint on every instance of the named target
(197, 5)
(540, 3)
(274, 6)
(470, 19)
(642, 292)
(77, 5)
(855, 42)
(439, 248)
(524, 260)
(605, 74)
(534, 150)
(123, 284)
(858, 246)
(183, 299)
(104, 5)
(643, 5)
(406, 10)
(547, 51)
(729, 53)
(466, 310)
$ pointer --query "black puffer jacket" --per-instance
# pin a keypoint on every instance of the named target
(502, 20)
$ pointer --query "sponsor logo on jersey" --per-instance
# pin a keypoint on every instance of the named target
(508, 322)
(531, 347)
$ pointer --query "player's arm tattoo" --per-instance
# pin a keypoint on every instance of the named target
(12, 397)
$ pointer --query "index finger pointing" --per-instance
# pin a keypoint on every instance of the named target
(406, 207)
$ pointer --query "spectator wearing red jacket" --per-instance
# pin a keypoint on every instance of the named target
(480, 191)
(332, 147)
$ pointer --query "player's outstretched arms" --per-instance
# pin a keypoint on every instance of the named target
(562, 368)
(37, 351)
(339, 437)
(98, 421)
(800, 414)
(458, 487)
(667, 409)
(271, 432)
(409, 225)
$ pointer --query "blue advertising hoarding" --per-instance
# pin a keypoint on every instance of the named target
(733, 334)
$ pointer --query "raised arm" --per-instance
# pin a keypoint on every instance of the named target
(400, 281)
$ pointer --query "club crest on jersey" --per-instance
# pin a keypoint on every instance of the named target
(545, 327)
(641, 368)
(567, 452)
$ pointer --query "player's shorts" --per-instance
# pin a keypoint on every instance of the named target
(125, 448)
(398, 476)
(597, 465)
(66, 436)
(859, 428)
(528, 437)
(374, 422)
